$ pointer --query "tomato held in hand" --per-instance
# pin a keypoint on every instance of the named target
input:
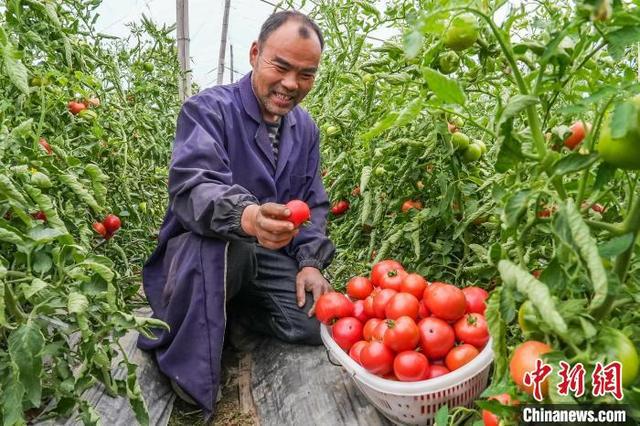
(300, 212)
(402, 304)
(401, 334)
(359, 287)
(445, 301)
(377, 358)
(410, 366)
(523, 361)
(333, 306)
(414, 284)
(346, 332)
(436, 337)
(460, 355)
(476, 299)
(381, 268)
(472, 329)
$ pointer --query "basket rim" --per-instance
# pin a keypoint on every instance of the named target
(464, 374)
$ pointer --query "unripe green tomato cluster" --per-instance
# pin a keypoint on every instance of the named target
(470, 150)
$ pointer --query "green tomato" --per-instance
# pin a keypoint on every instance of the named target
(527, 318)
(332, 130)
(472, 153)
(462, 32)
(379, 171)
(618, 347)
(482, 145)
(448, 62)
(460, 141)
(148, 66)
(621, 152)
(458, 122)
(88, 114)
(367, 78)
(142, 206)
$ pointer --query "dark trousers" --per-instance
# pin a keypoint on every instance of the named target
(261, 294)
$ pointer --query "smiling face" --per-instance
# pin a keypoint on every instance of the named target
(284, 69)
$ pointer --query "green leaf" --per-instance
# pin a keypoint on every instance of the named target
(444, 88)
(365, 175)
(25, 346)
(382, 125)
(11, 237)
(42, 263)
(516, 105)
(412, 41)
(46, 205)
(619, 40)
(497, 331)
(554, 381)
(72, 182)
(442, 416)
(623, 119)
(537, 292)
(9, 190)
(12, 393)
(44, 235)
(35, 287)
(574, 162)
(409, 112)
(366, 207)
(15, 69)
(515, 207)
(3, 316)
(510, 150)
(41, 180)
(604, 175)
(77, 303)
(616, 245)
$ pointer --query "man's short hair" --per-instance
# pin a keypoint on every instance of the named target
(277, 19)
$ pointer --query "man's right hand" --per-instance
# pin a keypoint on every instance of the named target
(268, 224)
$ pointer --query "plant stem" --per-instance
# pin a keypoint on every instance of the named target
(631, 224)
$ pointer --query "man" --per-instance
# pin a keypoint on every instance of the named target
(241, 152)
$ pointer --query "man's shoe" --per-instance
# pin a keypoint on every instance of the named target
(186, 398)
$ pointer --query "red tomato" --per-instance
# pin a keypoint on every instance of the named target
(401, 334)
(380, 331)
(111, 223)
(333, 306)
(39, 215)
(436, 337)
(346, 332)
(578, 132)
(472, 329)
(359, 287)
(437, 371)
(410, 204)
(393, 279)
(598, 208)
(358, 311)
(452, 128)
(423, 312)
(369, 327)
(524, 359)
(445, 301)
(402, 304)
(356, 349)
(476, 299)
(381, 268)
(368, 305)
(491, 419)
(76, 107)
(536, 273)
(377, 358)
(410, 366)
(460, 355)
(45, 145)
(99, 228)
(380, 301)
(300, 212)
(414, 284)
(340, 207)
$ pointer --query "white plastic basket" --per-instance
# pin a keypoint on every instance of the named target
(416, 403)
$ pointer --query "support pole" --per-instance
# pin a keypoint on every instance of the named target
(223, 40)
(182, 20)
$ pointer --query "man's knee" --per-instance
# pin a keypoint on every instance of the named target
(302, 330)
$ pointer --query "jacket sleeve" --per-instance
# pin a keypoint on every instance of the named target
(312, 247)
(201, 194)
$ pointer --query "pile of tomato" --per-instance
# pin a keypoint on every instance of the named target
(399, 326)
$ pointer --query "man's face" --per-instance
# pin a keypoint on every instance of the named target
(284, 69)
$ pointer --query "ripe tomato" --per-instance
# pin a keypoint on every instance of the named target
(523, 360)
(45, 145)
(39, 215)
(622, 152)
(356, 349)
(369, 328)
(111, 223)
(461, 33)
(75, 107)
(368, 305)
(333, 306)
(340, 207)
(380, 301)
(491, 419)
(381, 268)
(393, 279)
(359, 287)
(472, 328)
(401, 334)
(436, 337)
(410, 204)
(346, 332)
(460, 355)
(410, 366)
(377, 358)
(380, 331)
(437, 371)
(99, 228)
(445, 301)
(413, 284)
(300, 212)
(423, 312)
(578, 132)
(476, 299)
(358, 311)
(402, 304)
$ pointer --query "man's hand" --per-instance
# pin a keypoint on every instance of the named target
(268, 224)
(310, 279)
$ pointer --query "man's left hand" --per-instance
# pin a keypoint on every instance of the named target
(310, 279)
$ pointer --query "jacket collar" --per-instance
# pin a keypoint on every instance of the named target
(251, 106)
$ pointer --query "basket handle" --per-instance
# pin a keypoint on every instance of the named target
(331, 361)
